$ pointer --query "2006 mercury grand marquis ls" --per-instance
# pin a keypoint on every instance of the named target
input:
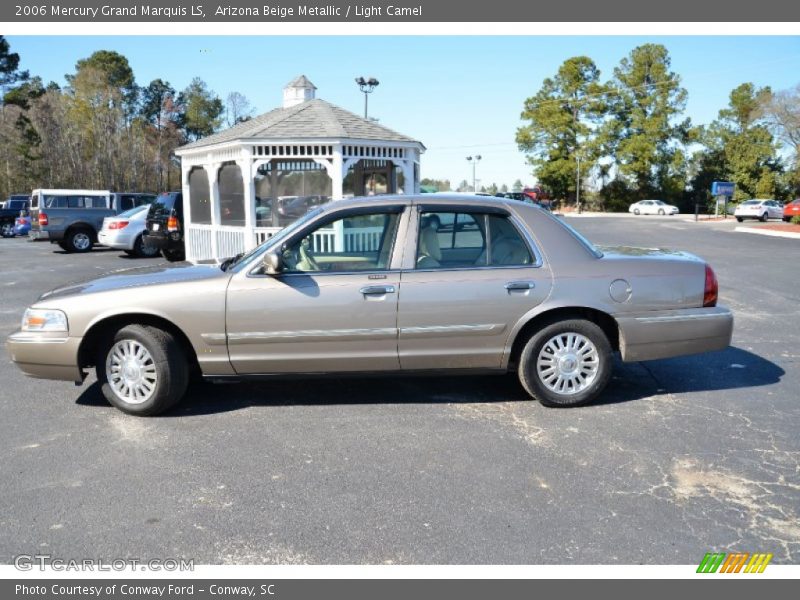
(391, 284)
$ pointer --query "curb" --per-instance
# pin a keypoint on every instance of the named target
(770, 232)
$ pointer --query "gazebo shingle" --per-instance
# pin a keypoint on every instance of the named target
(312, 119)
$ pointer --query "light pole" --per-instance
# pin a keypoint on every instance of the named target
(474, 160)
(367, 86)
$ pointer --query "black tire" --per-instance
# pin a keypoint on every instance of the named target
(636, 211)
(174, 255)
(143, 250)
(740, 219)
(7, 230)
(787, 219)
(167, 361)
(535, 385)
(661, 211)
(78, 240)
(763, 218)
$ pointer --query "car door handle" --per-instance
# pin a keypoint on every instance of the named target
(377, 290)
(513, 286)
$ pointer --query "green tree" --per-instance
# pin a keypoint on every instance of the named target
(517, 187)
(110, 70)
(504, 188)
(644, 134)
(561, 127)
(781, 111)
(492, 189)
(743, 146)
(463, 186)
(202, 110)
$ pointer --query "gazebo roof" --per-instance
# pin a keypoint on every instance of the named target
(312, 119)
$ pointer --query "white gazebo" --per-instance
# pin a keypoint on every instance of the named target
(243, 184)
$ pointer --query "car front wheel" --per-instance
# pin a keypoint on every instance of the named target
(764, 218)
(636, 211)
(142, 370)
(740, 219)
(7, 230)
(567, 363)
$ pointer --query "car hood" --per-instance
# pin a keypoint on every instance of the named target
(615, 252)
(137, 277)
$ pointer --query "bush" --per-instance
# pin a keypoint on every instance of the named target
(795, 220)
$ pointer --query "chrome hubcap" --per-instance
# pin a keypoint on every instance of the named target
(131, 372)
(568, 363)
(81, 241)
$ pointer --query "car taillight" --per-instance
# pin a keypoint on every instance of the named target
(118, 224)
(42, 219)
(172, 224)
(712, 288)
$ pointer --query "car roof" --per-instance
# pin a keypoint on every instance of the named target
(444, 198)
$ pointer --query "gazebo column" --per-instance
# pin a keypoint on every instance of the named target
(186, 168)
(246, 166)
(213, 186)
(337, 173)
(408, 176)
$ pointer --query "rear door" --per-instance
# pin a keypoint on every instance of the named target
(465, 290)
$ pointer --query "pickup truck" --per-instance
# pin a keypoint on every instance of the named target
(9, 211)
(72, 218)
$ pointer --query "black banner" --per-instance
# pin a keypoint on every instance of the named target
(410, 11)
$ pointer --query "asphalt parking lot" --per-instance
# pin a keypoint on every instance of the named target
(682, 457)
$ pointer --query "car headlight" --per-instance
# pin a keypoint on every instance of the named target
(39, 319)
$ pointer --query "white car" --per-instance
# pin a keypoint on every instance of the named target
(759, 209)
(652, 207)
(124, 232)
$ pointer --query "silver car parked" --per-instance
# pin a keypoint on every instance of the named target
(390, 284)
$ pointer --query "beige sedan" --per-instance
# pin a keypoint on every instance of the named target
(392, 285)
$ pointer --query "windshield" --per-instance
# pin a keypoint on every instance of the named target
(133, 211)
(277, 238)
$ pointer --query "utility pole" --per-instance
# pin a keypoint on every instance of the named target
(474, 160)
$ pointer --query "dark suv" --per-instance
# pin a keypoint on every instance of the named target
(164, 228)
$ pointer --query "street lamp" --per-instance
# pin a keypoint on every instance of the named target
(474, 160)
(367, 86)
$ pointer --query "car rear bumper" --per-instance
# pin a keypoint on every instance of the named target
(38, 234)
(164, 240)
(667, 333)
(46, 357)
(119, 241)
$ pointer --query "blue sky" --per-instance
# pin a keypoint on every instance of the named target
(459, 95)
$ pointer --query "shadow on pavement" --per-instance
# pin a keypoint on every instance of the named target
(728, 369)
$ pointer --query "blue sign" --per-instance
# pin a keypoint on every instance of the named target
(722, 188)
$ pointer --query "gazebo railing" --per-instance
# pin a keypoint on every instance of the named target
(232, 240)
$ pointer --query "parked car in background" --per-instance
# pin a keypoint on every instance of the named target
(15, 206)
(758, 209)
(22, 225)
(20, 202)
(792, 209)
(652, 207)
(126, 232)
(72, 218)
(402, 284)
(164, 226)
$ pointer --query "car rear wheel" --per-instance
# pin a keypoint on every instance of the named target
(144, 250)
(7, 230)
(636, 211)
(740, 219)
(78, 240)
(142, 370)
(174, 255)
(661, 211)
(567, 363)
(764, 218)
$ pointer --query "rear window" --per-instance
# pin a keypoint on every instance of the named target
(751, 202)
(133, 211)
(162, 206)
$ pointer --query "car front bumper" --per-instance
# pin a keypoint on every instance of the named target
(668, 333)
(46, 355)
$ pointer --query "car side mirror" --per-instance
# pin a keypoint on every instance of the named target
(272, 263)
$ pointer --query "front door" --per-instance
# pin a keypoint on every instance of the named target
(475, 276)
(333, 307)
